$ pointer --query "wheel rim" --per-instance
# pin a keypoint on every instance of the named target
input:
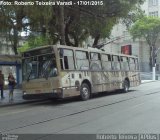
(126, 86)
(85, 92)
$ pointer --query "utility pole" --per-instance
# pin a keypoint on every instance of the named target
(154, 57)
(153, 64)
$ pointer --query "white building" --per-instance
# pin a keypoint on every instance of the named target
(139, 47)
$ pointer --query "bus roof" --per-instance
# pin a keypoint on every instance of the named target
(79, 48)
(90, 49)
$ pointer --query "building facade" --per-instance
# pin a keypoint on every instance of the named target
(139, 47)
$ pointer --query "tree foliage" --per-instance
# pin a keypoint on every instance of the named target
(69, 25)
(11, 23)
(33, 42)
(149, 29)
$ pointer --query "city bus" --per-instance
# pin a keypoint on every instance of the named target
(59, 71)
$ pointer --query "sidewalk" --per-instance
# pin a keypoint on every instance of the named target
(17, 95)
(148, 81)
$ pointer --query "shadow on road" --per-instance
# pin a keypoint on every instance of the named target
(61, 102)
(112, 93)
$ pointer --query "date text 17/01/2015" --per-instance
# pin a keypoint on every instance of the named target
(52, 3)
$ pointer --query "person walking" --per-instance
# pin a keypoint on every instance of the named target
(1, 84)
(11, 85)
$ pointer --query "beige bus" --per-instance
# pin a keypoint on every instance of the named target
(61, 71)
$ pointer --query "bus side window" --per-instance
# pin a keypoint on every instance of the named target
(106, 62)
(61, 53)
(67, 60)
(132, 64)
(116, 63)
(66, 65)
(61, 62)
(136, 64)
(109, 57)
(82, 60)
(95, 63)
(61, 57)
(124, 63)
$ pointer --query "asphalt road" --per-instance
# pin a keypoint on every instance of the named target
(137, 111)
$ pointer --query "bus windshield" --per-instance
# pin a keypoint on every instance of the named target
(43, 66)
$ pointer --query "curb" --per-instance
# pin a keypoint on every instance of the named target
(20, 103)
(150, 82)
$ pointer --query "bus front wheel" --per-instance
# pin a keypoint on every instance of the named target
(125, 86)
(85, 92)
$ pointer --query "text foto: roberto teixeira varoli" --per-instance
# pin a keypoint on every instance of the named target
(35, 3)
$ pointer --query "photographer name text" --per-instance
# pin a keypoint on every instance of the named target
(51, 3)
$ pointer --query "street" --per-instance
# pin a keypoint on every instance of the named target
(134, 112)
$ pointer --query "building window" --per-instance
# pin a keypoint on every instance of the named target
(127, 49)
(153, 14)
(153, 2)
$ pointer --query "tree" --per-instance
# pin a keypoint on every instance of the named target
(69, 24)
(11, 23)
(97, 21)
(73, 24)
(149, 29)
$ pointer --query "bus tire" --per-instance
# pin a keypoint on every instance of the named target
(85, 92)
(125, 86)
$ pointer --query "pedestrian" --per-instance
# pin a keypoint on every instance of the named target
(11, 85)
(1, 84)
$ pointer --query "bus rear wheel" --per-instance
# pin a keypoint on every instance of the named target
(85, 92)
(125, 86)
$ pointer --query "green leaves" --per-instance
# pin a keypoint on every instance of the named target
(79, 22)
(147, 27)
(34, 42)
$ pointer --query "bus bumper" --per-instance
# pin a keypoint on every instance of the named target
(27, 96)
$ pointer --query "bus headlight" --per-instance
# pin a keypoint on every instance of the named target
(55, 91)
